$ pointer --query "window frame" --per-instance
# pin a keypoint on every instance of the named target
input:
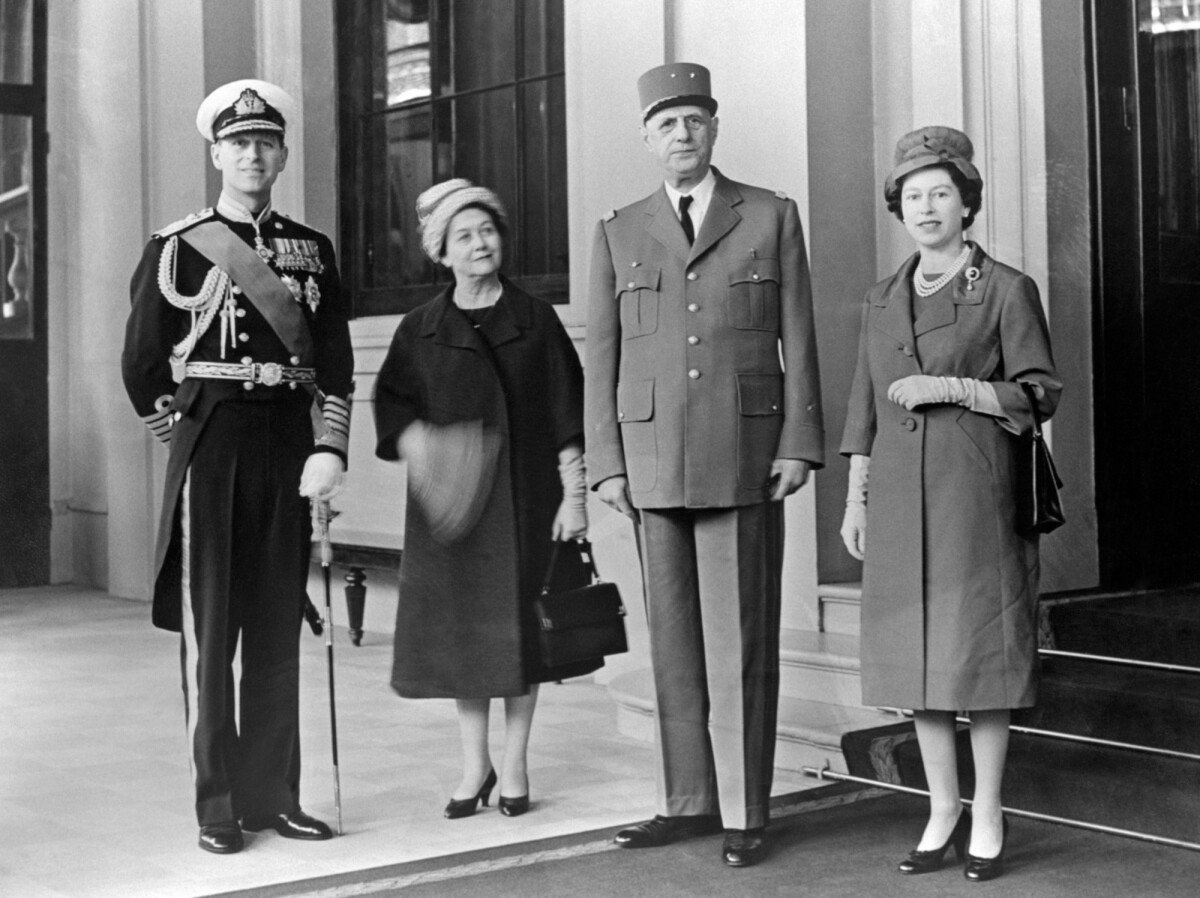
(361, 77)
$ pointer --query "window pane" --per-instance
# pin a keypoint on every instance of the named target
(16, 227)
(393, 252)
(1177, 88)
(16, 41)
(477, 140)
(475, 44)
(543, 26)
(407, 35)
(544, 225)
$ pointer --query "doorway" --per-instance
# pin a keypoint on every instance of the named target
(24, 395)
(1146, 81)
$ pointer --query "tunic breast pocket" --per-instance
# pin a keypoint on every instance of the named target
(754, 295)
(638, 297)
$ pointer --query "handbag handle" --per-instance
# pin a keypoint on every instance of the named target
(585, 550)
(1033, 407)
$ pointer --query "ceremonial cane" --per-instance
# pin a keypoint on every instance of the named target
(321, 516)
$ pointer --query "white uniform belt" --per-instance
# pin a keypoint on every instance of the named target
(266, 373)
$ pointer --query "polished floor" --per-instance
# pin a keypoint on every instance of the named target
(95, 794)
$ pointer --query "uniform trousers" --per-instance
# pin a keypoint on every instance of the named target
(245, 536)
(712, 582)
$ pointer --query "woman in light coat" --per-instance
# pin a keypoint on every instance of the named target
(949, 605)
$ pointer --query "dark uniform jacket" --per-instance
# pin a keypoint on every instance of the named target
(685, 394)
(176, 412)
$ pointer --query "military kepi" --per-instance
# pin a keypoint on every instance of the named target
(675, 84)
(245, 105)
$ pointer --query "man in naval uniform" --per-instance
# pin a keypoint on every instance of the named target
(237, 354)
(696, 431)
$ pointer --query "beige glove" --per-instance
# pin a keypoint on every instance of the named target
(854, 522)
(571, 521)
(323, 477)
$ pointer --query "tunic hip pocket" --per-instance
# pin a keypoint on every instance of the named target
(635, 412)
(760, 419)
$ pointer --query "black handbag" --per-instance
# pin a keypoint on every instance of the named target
(581, 624)
(1039, 506)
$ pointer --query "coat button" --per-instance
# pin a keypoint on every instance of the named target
(693, 307)
(694, 374)
(908, 424)
(634, 264)
(295, 360)
(907, 350)
(631, 285)
(693, 340)
(243, 337)
(754, 277)
(241, 313)
(620, 416)
(246, 360)
(235, 289)
(692, 275)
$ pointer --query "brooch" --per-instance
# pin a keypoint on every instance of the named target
(972, 275)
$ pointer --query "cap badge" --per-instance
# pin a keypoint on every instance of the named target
(250, 103)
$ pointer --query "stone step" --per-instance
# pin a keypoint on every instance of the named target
(819, 667)
(838, 607)
(809, 732)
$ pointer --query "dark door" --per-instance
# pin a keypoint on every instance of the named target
(1147, 85)
(24, 397)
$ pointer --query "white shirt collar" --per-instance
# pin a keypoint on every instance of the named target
(235, 211)
(701, 195)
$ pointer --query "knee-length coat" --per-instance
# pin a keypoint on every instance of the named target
(949, 600)
(465, 626)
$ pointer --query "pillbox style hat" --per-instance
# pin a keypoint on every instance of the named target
(932, 145)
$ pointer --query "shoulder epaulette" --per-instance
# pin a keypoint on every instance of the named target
(779, 194)
(609, 215)
(184, 223)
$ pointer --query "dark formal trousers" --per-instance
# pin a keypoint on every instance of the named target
(245, 534)
(712, 584)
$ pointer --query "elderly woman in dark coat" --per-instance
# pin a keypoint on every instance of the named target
(949, 584)
(481, 394)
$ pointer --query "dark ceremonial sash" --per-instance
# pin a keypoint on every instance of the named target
(260, 284)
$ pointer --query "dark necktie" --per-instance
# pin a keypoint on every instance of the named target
(689, 229)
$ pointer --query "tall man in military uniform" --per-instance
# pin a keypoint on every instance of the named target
(237, 353)
(695, 429)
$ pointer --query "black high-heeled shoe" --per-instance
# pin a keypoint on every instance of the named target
(931, 861)
(981, 869)
(465, 807)
(514, 807)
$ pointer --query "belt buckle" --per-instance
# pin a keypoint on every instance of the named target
(270, 374)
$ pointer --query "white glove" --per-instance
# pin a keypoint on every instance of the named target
(924, 389)
(854, 522)
(571, 521)
(324, 474)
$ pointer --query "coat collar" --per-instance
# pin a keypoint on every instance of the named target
(663, 225)
(897, 298)
(448, 325)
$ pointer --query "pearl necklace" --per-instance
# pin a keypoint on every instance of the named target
(924, 289)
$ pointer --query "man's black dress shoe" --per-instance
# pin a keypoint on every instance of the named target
(743, 847)
(291, 825)
(664, 830)
(221, 838)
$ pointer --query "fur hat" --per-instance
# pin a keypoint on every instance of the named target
(932, 145)
(441, 202)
